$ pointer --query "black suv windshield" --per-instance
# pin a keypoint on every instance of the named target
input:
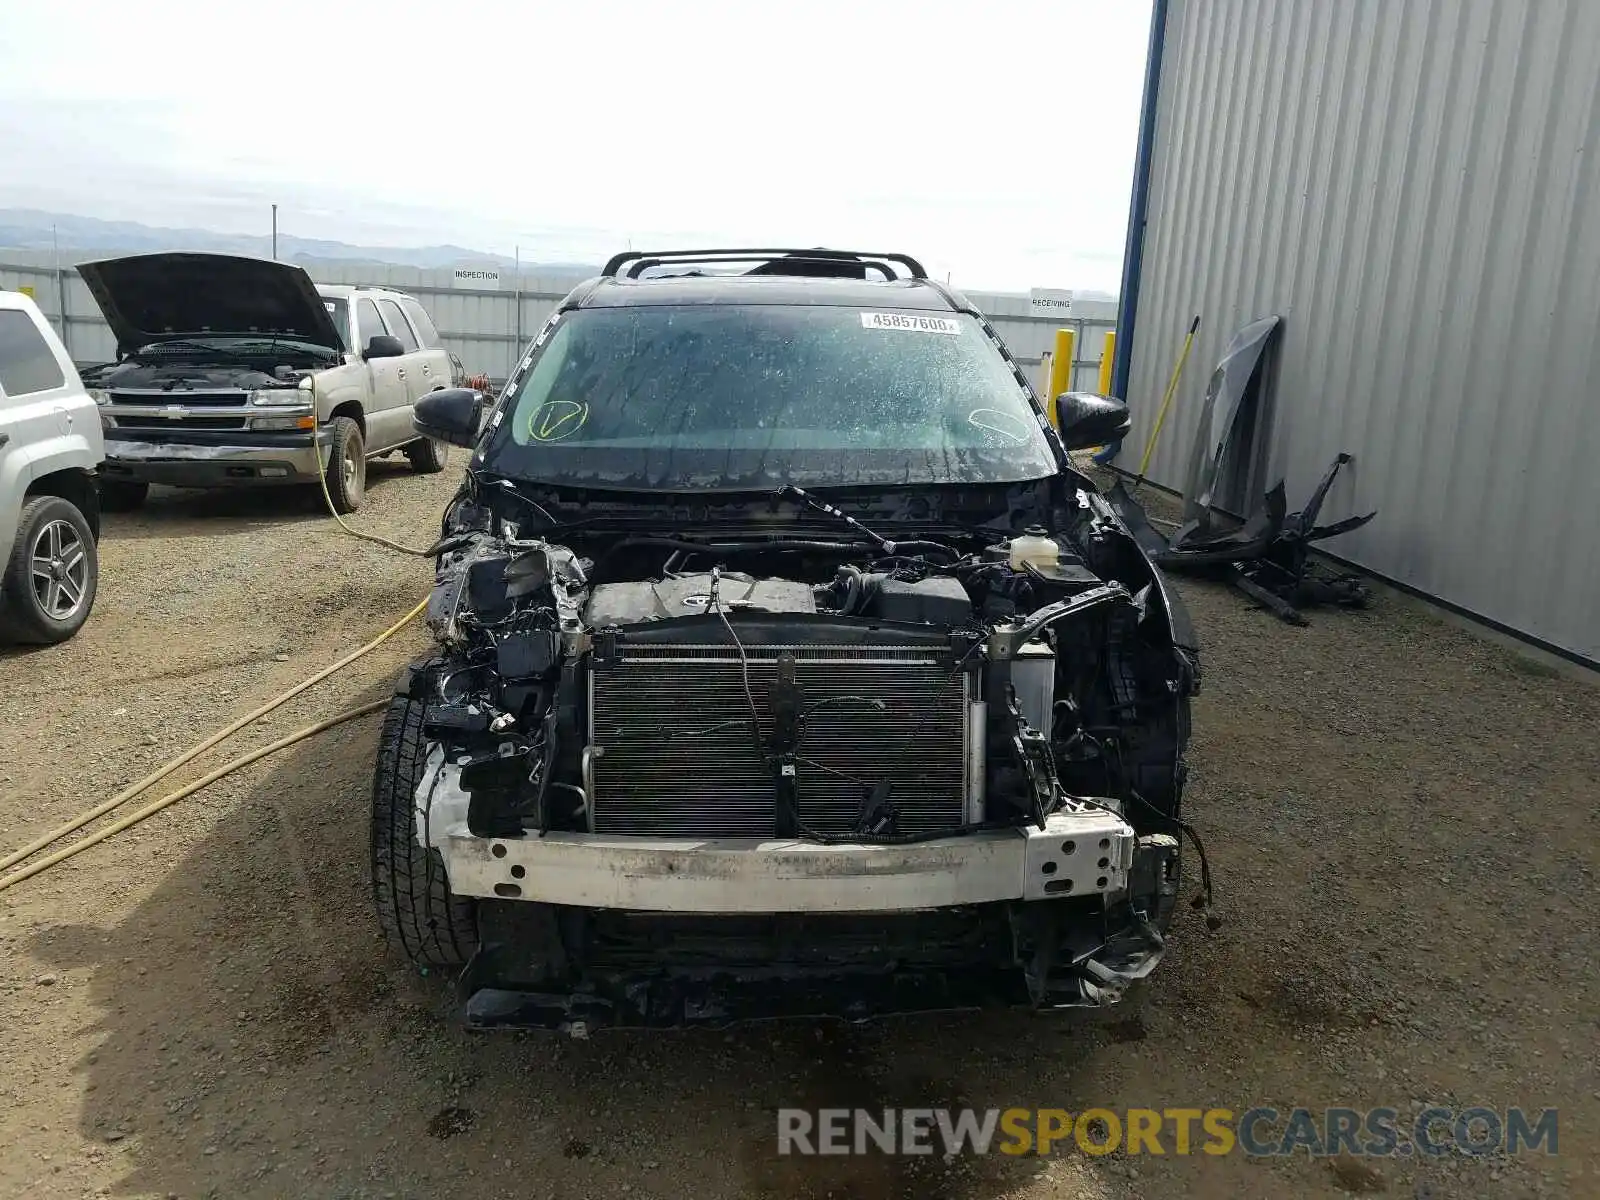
(746, 396)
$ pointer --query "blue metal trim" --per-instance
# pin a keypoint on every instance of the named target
(1133, 249)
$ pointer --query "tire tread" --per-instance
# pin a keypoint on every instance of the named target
(411, 892)
(344, 428)
(427, 457)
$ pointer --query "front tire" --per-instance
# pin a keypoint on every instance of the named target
(418, 914)
(347, 466)
(52, 574)
(428, 456)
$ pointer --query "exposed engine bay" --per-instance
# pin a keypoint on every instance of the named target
(779, 669)
(216, 369)
(186, 373)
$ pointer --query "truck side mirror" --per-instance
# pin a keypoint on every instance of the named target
(384, 346)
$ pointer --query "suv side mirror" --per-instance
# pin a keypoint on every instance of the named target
(1087, 419)
(384, 346)
(449, 415)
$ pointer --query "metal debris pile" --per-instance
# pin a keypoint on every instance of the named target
(1268, 557)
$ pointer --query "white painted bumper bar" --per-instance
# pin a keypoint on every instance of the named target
(1086, 851)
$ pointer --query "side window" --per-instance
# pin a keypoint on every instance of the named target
(27, 364)
(398, 325)
(368, 323)
(422, 323)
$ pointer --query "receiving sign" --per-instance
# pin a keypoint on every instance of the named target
(1050, 302)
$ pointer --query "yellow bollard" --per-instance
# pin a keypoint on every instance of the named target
(1060, 371)
(1105, 362)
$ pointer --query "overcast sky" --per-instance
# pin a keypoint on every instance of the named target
(993, 139)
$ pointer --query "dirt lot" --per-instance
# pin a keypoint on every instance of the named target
(1401, 818)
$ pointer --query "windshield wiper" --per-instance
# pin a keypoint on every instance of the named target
(177, 344)
(226, 345)
(268, 345)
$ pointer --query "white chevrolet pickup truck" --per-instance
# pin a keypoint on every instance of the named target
(239, 371)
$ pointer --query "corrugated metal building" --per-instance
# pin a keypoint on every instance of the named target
(1414, 185)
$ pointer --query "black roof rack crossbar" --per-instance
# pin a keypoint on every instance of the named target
(639, 261)
(812, 262)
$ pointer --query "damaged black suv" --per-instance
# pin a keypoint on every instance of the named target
(785, 666)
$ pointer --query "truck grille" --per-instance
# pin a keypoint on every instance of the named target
(176, 411)
(676, 756)
(162, 399)
(186, 421)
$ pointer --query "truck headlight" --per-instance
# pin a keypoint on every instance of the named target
(307, 421)
(279, 398)
(99, 395)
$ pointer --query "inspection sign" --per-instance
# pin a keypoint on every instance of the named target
(476, 277)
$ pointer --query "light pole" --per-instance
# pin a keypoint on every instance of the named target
(274, 233)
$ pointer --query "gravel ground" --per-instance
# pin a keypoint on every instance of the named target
(1401, 819)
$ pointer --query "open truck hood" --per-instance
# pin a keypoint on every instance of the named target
(149, 297)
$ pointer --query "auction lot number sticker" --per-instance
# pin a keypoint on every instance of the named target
(914, 324)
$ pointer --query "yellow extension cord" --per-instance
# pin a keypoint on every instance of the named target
(195, 751)
(187, 789)
(322, 478)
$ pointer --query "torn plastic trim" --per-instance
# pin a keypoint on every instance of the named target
(440, 801)
(498, 993)
(1198, 543)
(1130, 522)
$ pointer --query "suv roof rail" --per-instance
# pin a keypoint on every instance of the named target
(815, 261)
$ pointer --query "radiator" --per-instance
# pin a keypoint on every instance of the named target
(674, 754)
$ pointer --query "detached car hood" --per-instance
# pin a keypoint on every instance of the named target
(148, 297)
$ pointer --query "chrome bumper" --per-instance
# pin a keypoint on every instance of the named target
(206, 464)
(1082, 851)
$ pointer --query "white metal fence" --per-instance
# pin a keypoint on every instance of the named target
(487, 327)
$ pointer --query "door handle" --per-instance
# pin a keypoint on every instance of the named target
(401, 372)
(427, 370)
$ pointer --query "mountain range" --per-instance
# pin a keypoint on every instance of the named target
(32, 229)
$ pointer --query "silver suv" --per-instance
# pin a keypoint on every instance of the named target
(50, 445)
(241, 371)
